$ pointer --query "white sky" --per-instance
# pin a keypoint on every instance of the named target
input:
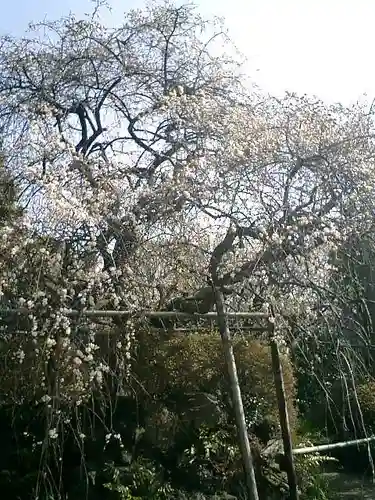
(322, 47)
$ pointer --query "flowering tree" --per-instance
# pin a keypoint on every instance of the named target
(147, 169)
(101, 132)
(143, 159)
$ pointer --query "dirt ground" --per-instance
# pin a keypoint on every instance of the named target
(351, 487)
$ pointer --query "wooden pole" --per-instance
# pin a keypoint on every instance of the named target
(283, 411)
(243, 437)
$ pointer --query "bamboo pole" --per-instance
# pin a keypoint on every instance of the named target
(147, 314)
(332, 446)
(283, 411)
(236, 396)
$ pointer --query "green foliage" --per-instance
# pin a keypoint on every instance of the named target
(366, 399)
(195, 364)
(188, 411)
(335, 367)
(139, 480)
(314, 486)
(176, 432)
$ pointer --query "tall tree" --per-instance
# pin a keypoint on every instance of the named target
(146, 164)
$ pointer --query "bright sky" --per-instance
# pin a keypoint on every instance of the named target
(321, 47)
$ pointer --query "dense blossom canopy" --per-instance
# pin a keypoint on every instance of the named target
(142, 160)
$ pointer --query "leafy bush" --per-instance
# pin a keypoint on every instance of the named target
(195, 364)
(366, 402)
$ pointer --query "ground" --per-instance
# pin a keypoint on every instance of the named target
(351, 487)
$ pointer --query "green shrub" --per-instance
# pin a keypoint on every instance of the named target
(195, 363)
(183, 384)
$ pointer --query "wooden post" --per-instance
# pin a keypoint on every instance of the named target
(283, 411)
(236, 397)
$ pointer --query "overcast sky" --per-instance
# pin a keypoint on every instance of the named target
(321, 47)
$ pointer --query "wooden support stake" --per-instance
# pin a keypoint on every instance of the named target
(236, 397)
(283, 411)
